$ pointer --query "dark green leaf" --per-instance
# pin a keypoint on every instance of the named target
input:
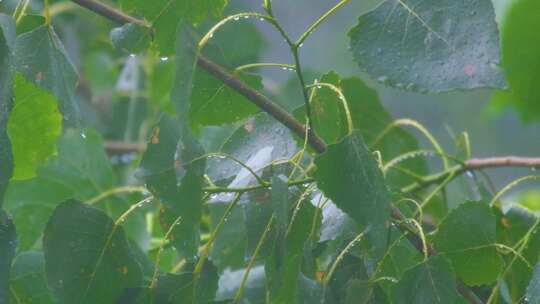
(80, 170)
(28, 283)
(131, 38)
(520, 46)
(257, 142)
(511, 228)
(168, 165)
(8, 244)
(430, 46)
(41, 58)
(328, 116)
(429, 282)
(229, 248)
(283, 267)
(164, 15)
(29, 22)
(214, 103)
(7, 42)
(88, 258)
(467, 237)
(33, 126)
(350, 177)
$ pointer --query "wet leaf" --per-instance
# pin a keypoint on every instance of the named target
(40, 56)
(431, 281)
(131, 38)
(467, 237)
(87, 257)
(28, 283)
(350, 177)
(432, 46)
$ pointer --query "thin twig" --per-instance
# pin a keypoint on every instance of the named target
(472, 165)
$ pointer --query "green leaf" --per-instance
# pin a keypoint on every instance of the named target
(41, 58)
(254, 292)
(164, 15)
(429, 282)
(80, 170)
(533, 290)
(467, 236)
(283, 267)
(33, 126)
(131, 38)
(176, 183)
(520, 46)
(257, 142)
(432, 46)
(28, 283)
(7, 41)
(29, 22)
(350, 177)
(511, 228)
(88, 258)
(8, 243)
(214, 103)
(184, 287)
(168, 165)
(328, 116)
(229, 248)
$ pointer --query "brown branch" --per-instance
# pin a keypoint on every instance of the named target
(472, 165)
(222, 74)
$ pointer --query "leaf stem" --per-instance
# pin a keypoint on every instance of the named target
(240, 291)
(305, 93)
(205, 252)
(319, 21)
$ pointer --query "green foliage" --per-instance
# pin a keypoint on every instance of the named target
(519, 49)
(216, 194)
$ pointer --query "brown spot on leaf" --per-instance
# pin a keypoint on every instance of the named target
(505, 222)
(248, 126)
(123, 270)
(469, 69)
(154, 139)
(178, 163)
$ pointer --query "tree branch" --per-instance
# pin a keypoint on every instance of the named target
(222, 74)
(471, 165)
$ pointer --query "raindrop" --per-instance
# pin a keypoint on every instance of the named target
(164, 59)
(301, 44)
(132, 55)
(379, 51)
(262, 19)
(246, 17)
(83, 135)
(383, 79)
(236, 18)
